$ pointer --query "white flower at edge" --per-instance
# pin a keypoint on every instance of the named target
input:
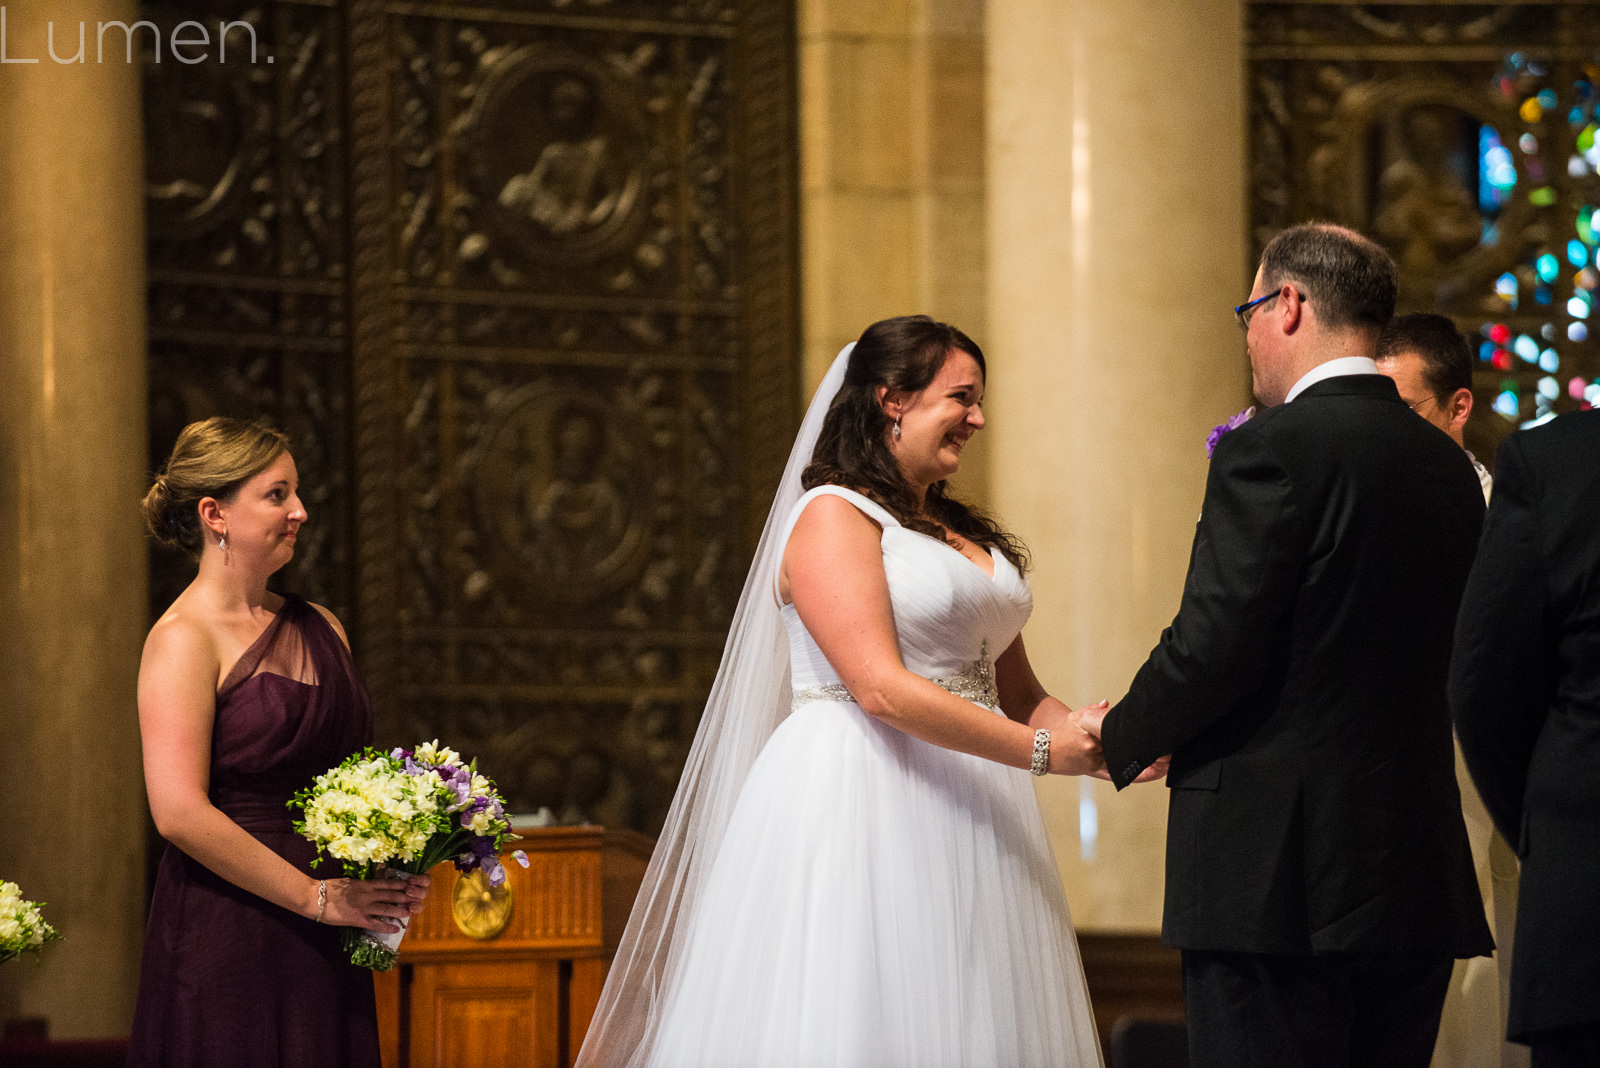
(430, 753)
(22, 926)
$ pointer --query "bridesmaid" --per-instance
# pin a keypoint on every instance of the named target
(244, 696)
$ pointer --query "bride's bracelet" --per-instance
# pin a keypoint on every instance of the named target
(1041, 751)
(322, 898)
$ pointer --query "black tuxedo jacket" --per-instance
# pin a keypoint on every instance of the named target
(1525, 690)
(1301, 688)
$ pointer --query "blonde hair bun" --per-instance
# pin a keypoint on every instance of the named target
(211, 458)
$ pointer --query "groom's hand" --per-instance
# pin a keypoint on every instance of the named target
(1091, 719)
(1155, 771)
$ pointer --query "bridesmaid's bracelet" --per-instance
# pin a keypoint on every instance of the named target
(1041, 751)
(322, 898)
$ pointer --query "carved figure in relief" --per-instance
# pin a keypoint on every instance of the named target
(1427, 214)
(577, 520)
(568, 189)
(196, 149)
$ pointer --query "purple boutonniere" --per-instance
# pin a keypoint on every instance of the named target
(1233, 423)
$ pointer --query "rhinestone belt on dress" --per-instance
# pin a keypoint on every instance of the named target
(976, 684)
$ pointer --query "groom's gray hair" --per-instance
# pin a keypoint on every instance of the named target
(1349, 278)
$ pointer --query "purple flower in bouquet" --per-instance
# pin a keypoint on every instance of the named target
(458, 781)
(1234, 423)
(482, 854)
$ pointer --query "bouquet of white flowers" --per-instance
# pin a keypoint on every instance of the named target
(22, 926)
(404, 811)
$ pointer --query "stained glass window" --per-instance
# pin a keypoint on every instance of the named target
(1537, 358)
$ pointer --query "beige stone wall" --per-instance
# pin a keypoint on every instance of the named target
(892, 173)
(1116, 247)
(72, 552)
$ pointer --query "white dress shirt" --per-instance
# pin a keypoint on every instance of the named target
(1344, 365)
(1485, 479)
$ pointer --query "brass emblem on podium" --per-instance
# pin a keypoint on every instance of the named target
(481, 911)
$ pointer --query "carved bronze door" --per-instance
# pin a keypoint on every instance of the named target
(519, 278)
(1463, 137)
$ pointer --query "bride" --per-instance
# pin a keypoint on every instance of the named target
(854, 871)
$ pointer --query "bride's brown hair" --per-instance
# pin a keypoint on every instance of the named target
(904, 354)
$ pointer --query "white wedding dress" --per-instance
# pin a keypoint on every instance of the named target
(878, 901)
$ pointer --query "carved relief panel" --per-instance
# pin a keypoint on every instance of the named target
(244, 213)
(1462, 137)
(545, 341)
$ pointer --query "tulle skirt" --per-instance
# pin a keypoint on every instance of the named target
(878, 902)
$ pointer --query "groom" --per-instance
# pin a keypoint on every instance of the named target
(1318, 878)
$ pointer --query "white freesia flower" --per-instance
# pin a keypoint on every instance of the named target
(432, 754)
(22, 926)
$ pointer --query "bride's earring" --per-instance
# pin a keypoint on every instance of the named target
(222, 541)
(896, 430)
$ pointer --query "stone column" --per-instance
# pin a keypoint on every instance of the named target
(1116, 253)
(72, 470)
(892, 168)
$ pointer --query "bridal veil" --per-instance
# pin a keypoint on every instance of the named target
(748, 700)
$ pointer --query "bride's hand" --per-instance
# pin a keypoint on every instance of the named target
(376, 904)
(1091, 717)
(1074, 741)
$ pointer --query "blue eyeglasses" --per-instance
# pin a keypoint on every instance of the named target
(1244, 311)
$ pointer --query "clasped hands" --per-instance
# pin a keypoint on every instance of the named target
(1075, 740)
(375, 904)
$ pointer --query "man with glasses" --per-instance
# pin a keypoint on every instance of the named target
(1431, 364)
(1318, 878)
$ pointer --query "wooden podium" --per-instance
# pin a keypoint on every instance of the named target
(511, 976)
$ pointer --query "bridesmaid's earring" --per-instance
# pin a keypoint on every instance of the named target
(897, 430)
(222, 541)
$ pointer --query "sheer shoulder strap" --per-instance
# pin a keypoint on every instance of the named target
(279, 648)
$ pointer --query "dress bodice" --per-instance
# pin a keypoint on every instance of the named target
(290, 709)
(948, 612)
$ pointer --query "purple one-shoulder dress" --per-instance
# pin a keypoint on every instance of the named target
(229, 978)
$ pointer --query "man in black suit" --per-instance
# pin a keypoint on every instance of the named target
(1431, 364)
(1525, 691)
(1318, 875)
